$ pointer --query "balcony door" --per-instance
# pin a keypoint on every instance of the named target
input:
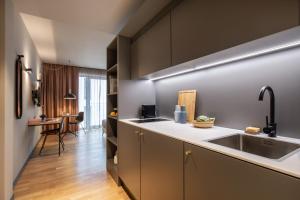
(92, 99)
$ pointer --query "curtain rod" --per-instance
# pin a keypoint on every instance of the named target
(84, 68)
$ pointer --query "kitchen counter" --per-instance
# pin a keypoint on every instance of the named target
(186, 132)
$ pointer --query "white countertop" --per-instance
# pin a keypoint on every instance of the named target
(186, 132)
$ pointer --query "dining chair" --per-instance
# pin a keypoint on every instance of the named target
(103, 125)
(78, 121)
(57, 131)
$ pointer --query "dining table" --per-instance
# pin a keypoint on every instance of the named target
(40, 122)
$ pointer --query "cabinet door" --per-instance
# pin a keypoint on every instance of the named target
(214, 176)
(151, 52)
(129, 157)
(202, 27)
(161, 167)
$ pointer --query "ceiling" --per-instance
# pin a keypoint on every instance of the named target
(75, 32)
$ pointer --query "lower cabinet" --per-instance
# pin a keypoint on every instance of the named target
(156, 167)
(129, 157)
(150, 164)
(209, 175)
(161, 167)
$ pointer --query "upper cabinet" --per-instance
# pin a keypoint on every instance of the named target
(192, 29)
(152, 50)
(202, 27)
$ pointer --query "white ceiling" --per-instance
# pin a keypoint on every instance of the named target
(75, 30)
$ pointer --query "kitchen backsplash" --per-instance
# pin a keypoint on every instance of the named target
(230, 92)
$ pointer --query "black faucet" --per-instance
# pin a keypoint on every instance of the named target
(270, 128)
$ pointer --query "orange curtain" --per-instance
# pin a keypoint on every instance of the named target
(56, 82)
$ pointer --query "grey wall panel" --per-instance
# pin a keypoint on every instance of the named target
(134, 94)
(230, 92)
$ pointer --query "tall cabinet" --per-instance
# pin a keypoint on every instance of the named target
(124, 96)
(118, 70)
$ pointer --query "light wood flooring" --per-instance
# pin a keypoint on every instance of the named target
(79, 173)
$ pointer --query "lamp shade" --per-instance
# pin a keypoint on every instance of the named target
(70, 96)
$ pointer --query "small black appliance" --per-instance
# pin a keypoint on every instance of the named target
(148, 111)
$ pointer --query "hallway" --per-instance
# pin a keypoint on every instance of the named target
(79, 173)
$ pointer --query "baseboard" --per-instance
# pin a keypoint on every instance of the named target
(23, 167)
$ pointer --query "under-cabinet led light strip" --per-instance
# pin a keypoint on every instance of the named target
(234, 59)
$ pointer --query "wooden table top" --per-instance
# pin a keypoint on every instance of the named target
(70, 115)
(39, 122)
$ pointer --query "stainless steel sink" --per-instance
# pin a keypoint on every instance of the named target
(265, 147)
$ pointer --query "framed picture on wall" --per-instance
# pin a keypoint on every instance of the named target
(18, 89)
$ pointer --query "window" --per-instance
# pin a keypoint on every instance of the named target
(92, 99)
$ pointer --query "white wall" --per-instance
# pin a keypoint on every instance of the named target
(2, 179)
(19, 138)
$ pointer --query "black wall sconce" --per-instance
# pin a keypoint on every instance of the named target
(28, 70)
(36, 97)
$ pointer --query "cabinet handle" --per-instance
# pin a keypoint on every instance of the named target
(187, 154)
(136, 132)
(141, 133)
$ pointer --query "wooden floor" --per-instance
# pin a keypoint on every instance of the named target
(79, 173)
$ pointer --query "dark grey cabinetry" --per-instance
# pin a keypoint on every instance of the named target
(161, 167)
(214, 176)
(154, 166)
(202, 27)
(129, 157)
(152, 51)
(150, 164)
(196, 28)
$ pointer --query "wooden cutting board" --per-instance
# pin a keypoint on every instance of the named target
(188, 98)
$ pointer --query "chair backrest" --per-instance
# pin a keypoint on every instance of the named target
(80, 117)
(61, 125)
